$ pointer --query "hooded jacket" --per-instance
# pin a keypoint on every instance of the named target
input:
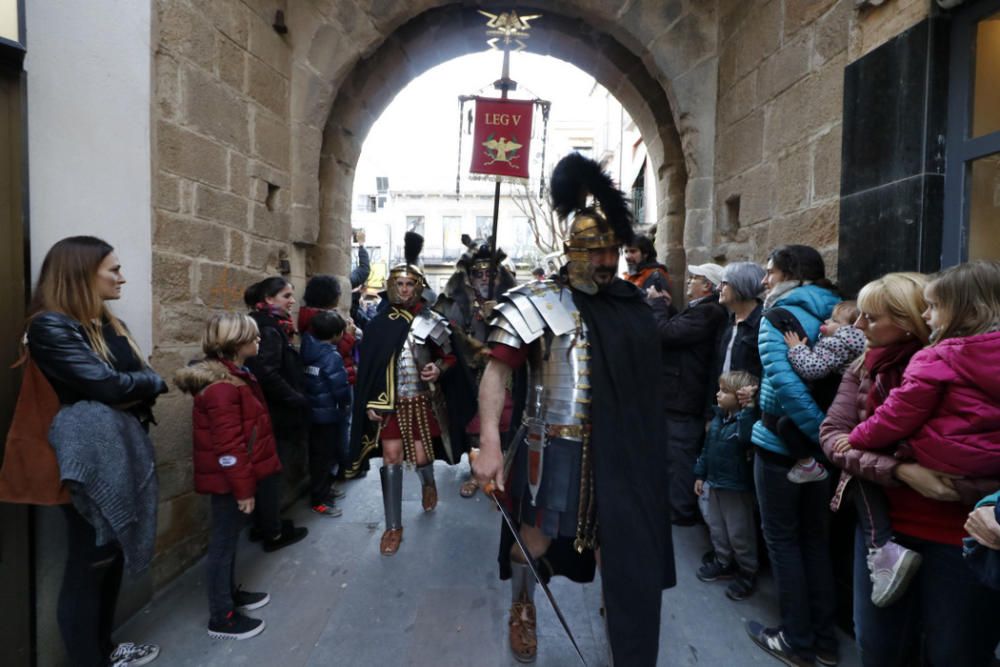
(234, 445)
(946, 408)
(326, 384)
(782, 391)
(726, 460)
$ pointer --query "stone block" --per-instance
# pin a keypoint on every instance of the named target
(816, 227)
(737, 102)
(698, 193)
(650, 19)
(221, 286)
(757, 240)
(176, 478)
(832, 31)
(168, 84)
(685, 44)
(732, 14)
(799, 13)
(240, 181)
(304, 225)
(237, 248)
(826, 165)
(269, 46)
(694, 104)
(183, 32)
(784, 68)
(806, 108)
(172, 560)
(311, 97)
(230, 17)
(222, 207)
(267, 87)
(171, 277)
(232, 64)
(181, 517)
(698, 228)
(193, 156)
(182, 324)
(757, 193)
(759, 37)
(331, 54)
(793, 183)
(168, 192)
(261, 256)
(185, 236)
(271, 224)
(271, 138)
(212, 109)
(741, 147)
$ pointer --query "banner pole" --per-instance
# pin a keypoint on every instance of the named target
(504, 85)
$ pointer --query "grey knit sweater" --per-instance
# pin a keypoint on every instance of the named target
(107, 460)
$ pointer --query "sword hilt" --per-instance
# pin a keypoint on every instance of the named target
(490, 489)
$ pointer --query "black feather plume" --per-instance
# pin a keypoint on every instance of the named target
(413, 245)
(574, 177)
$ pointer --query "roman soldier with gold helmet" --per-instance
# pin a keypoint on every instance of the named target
(587, 470)
(411, 400)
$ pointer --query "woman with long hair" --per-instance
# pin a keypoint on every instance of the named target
(87, 354)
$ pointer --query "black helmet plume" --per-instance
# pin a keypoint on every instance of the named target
(574, 177)
(413, 245)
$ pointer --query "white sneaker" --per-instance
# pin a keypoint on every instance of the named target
(134, 655)
(803, 474)
(891, 568)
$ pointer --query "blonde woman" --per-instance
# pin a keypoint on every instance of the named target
(87, 354)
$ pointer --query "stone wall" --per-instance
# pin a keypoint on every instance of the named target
(777, 172)
(221, 209)
(874, 26)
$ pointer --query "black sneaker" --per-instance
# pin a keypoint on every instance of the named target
(827, 657)
(715, 570)
(290, 534)
(134, 655)
(236, 626)
(742, 587)
(772, 641)
(708, 557)
(248, 600)
(256, 535)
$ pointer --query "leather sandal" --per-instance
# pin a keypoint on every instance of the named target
(430, 497)
(390, 541)
(468, 488)
(523, 640)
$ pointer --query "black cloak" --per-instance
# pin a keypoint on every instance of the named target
(383, 338)
(630, 474)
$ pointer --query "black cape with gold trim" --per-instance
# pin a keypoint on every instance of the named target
(383, 339)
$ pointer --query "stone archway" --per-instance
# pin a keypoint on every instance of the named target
(657, 58)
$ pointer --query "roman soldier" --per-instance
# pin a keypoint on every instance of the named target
(590, 471)
(466, 303)
(411, 399)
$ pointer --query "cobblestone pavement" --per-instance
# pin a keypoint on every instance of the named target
(438, 602)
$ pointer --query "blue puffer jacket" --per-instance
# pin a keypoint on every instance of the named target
(725, 460)
(782, 391)
(325, 384)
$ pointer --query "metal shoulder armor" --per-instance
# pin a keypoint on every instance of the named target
(431, 326)
(525, 313)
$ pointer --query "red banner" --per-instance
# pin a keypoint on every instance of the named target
(501, 141)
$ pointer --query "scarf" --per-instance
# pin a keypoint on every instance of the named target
(885, 366)
(780, 290)
(281, 318)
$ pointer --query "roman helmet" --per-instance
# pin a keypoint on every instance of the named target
(607, 223)
(413, 244)
(475, 265)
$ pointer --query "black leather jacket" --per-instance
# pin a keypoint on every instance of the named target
(58, 345)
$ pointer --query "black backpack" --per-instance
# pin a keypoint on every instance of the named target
(824, 390)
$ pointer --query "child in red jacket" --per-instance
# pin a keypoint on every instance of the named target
(946, 412)
(235, 457)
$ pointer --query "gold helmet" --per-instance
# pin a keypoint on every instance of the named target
(608, 224)
(413, 244)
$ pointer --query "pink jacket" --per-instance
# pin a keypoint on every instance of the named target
(947, 409)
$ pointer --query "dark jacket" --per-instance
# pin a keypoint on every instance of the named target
(745, 356)
(325, 378)
(59, 347)
(234, 445)
(279, 370)
(688, 341)
(726, 460)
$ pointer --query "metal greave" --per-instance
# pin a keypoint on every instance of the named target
(522, 583)
(426, 474)
(392, 494)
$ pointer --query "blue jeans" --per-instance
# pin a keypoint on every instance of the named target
(958, 613)
(796, 522)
